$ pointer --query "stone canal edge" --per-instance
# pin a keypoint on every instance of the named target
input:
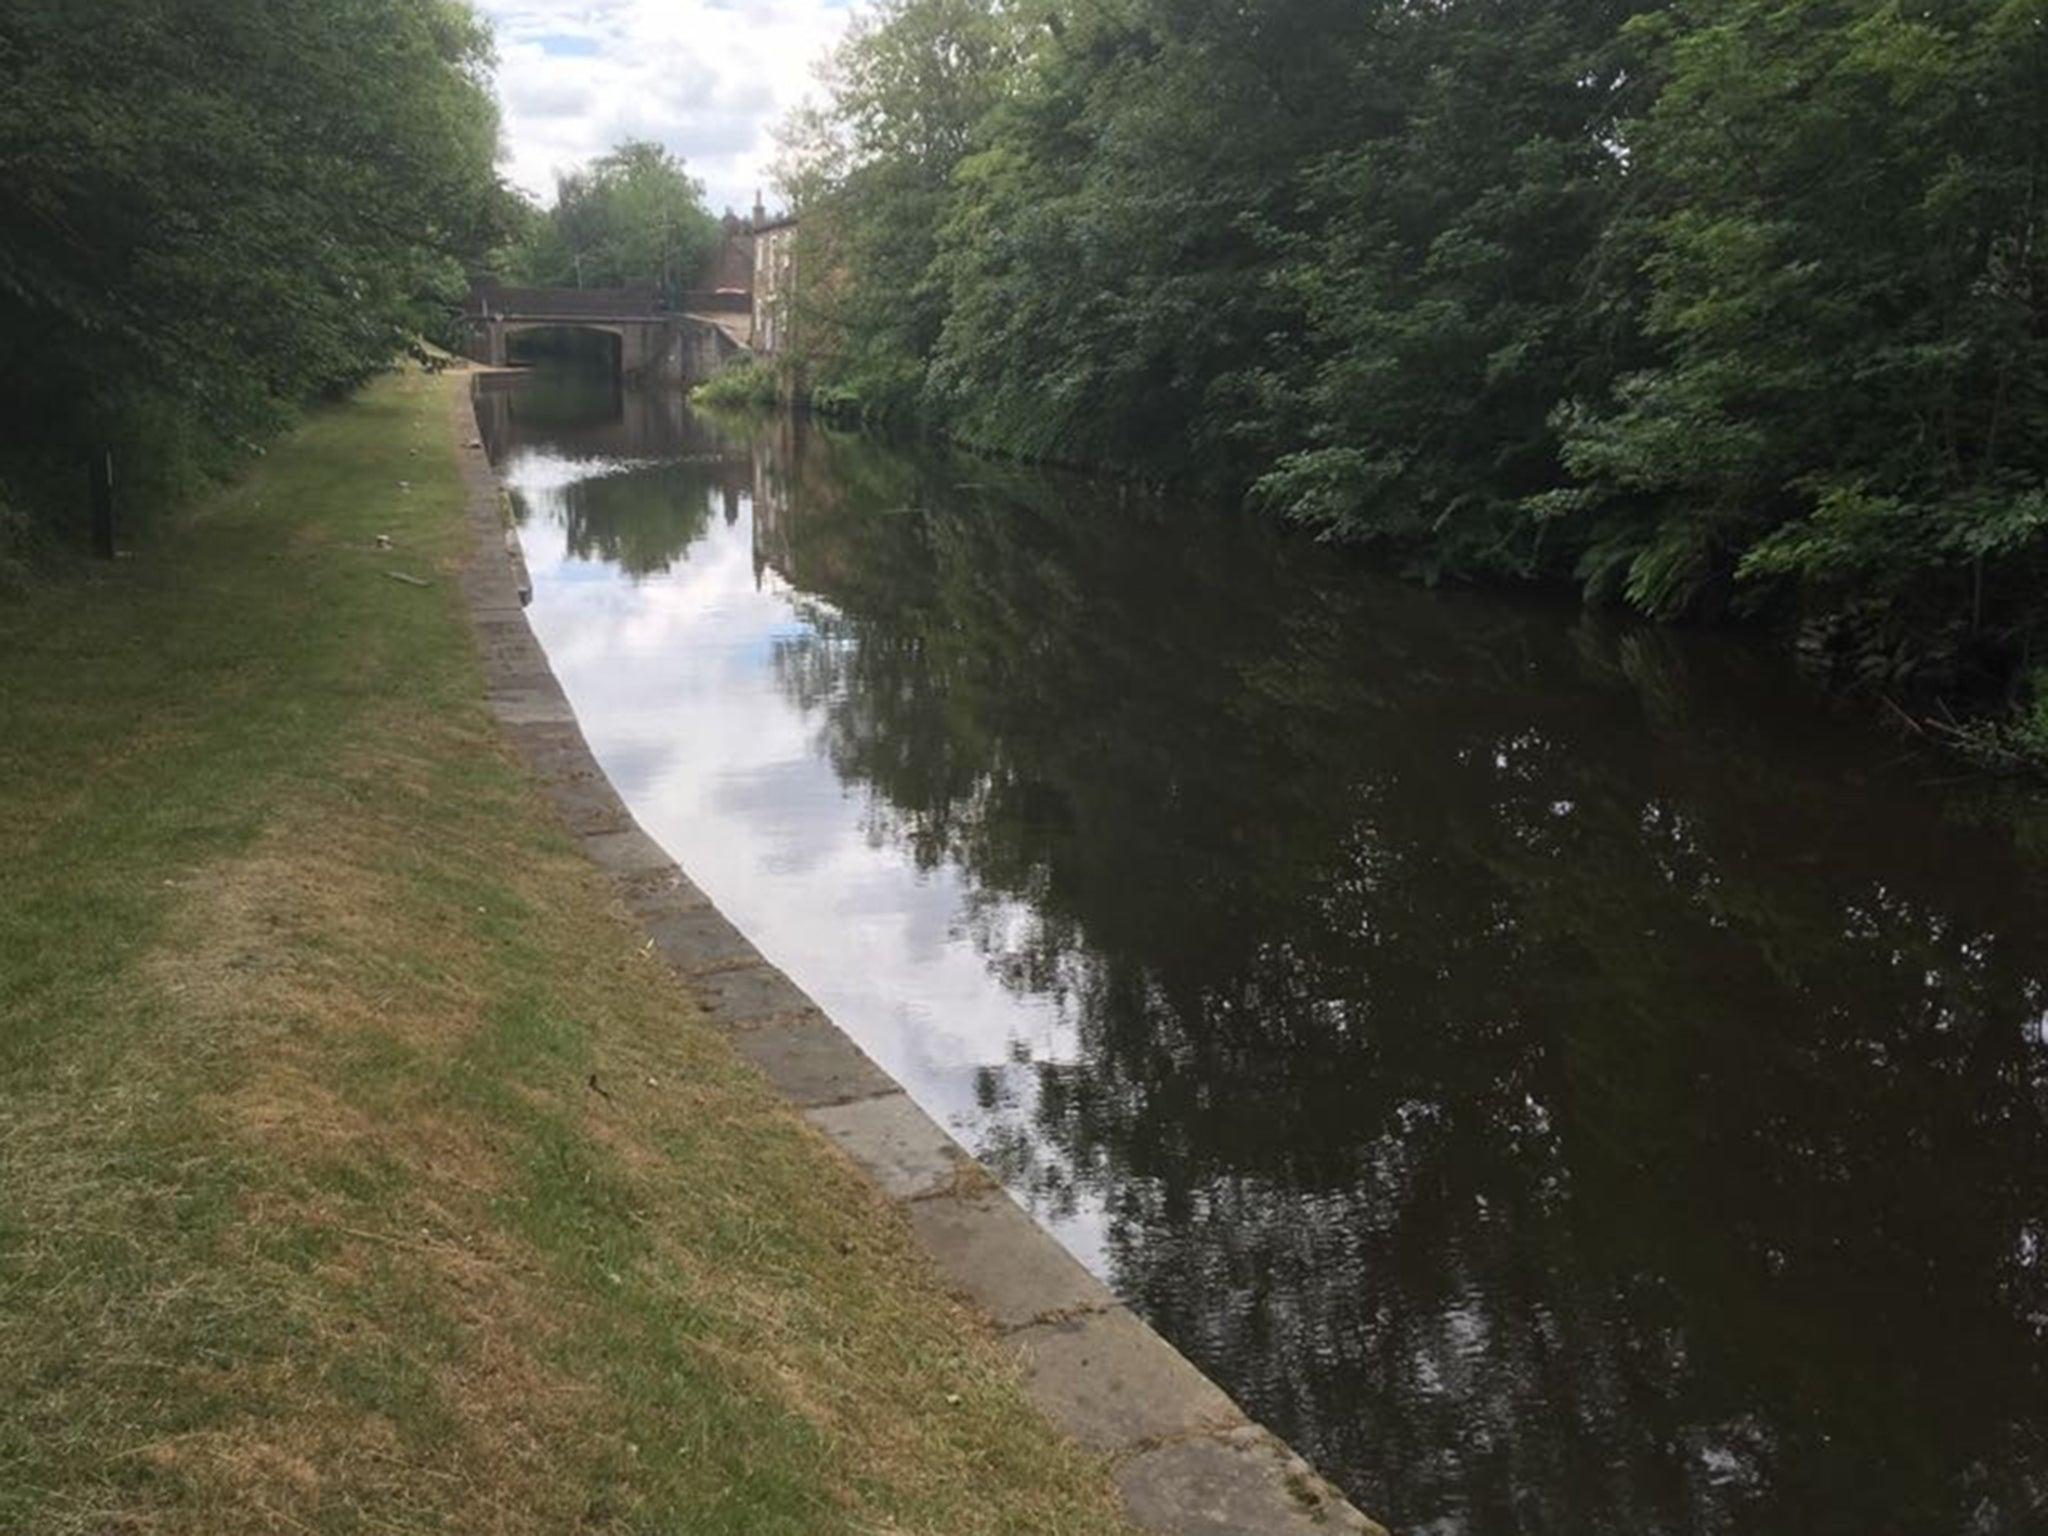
(1187, 1459)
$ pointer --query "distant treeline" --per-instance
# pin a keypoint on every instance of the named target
(1728, 306)
(629, 216)
(212, 211)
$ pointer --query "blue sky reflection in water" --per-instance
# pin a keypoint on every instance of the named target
(1564, 1076)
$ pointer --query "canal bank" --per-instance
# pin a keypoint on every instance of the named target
(359, 1169)
(1187, 1460)
(1524, 1058)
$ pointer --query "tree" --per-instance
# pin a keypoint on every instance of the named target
(1838, 216)
(632, 215)
(1441, 279)
(212, 213)
(1103, 260)
(1738, 308)
(909, 88)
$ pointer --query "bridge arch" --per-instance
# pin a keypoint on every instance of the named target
(518, 331)
(653, 342)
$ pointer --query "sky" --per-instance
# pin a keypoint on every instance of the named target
(706, 78)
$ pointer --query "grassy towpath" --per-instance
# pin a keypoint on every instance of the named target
(308, 1220)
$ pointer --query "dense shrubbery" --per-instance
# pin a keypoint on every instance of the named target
(743, 383)
(213, 211)
(1740, 306)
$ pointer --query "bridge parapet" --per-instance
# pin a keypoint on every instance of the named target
(677, 347)
(495, 301)
(716, 301)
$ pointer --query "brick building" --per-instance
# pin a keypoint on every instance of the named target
(755, 262)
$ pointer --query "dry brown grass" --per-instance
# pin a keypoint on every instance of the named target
(310, 1222)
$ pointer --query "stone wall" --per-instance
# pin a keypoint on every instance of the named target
(774, 284)
(756, 257)
(487, 298)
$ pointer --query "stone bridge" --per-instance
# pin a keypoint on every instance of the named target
(655, 343)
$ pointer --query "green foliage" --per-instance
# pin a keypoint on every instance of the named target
(628, 216)
(213, 212)
(1736, 309)
(2030, 729)
(1440, 282)
(743, 383)
(1102, 256)
(910, 86)
(2015, 744)
(1837, 254)
(838, 403)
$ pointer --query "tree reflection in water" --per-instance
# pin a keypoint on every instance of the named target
(1564, 1077)
(1558, 1075)
(643, 474)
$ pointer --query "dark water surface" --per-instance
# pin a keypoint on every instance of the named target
(1562, 1076)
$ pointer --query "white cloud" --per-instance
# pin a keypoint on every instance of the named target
(707, 79)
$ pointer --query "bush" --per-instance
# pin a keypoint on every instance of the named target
(2028, 733)
(744, 382)
(837, 402)
(2015, 743)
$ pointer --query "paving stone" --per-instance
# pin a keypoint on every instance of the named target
(543, 736)
(534, 678)
(699, 938)
(1112, 1383)
(899, 1145)
(812, 1062)
(542, 690)
(511, 641)
(652, 893)
(992, 1253)
(589, 805)
(508, 637)
(628, 852)
(562, 762)
(749, 998)
(532, 706)
(1234, 1484)
(492, 594)
(516, 666)
(522, 579)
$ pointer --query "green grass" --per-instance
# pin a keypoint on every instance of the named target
(308, 1221)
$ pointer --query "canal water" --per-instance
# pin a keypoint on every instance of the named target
(1564, 1076)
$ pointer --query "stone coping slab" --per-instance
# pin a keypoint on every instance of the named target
(1185, 1457)
(900, 1146)
(991, 1253)
(754, 997)
(1241, 1480)
(814, 1062)
(1115, 1385)
(697, 939)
